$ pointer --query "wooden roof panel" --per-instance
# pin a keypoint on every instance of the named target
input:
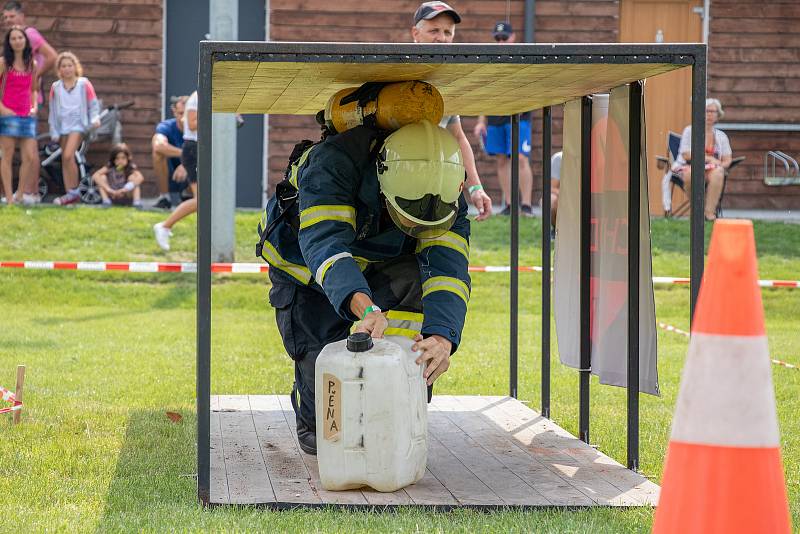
(303, 88)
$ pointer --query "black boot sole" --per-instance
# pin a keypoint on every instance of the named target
(307, 449)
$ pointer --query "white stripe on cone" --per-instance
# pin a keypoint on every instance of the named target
(726, 395)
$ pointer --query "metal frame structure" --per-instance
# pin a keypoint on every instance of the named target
(690, 55)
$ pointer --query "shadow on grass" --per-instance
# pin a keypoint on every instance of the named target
(85, 318)
(27, 344)
(155, 469)
(178, 296)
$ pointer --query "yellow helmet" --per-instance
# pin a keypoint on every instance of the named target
(421, 174)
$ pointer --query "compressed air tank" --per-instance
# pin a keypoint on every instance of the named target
(389, 105)
(372, 419)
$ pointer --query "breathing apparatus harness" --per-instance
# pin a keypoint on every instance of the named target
(287, 190)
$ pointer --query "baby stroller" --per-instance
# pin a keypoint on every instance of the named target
(50, 177)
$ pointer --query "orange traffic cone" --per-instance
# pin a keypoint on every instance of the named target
(723, 470)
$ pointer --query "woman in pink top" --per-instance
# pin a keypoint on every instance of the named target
(18, 106)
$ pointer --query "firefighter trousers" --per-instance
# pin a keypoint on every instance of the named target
(307, 321)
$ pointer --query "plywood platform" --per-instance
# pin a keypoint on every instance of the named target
(484, 452)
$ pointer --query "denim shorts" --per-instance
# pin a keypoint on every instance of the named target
(14, 126)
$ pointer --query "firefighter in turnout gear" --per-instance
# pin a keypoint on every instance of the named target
(372, 230)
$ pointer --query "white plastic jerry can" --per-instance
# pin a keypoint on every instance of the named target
(372, 414)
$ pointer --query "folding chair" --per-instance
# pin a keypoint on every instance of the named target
(671, 179)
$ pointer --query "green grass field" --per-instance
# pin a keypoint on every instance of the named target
(108, 354)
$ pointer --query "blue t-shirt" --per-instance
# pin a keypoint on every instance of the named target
(169, 129)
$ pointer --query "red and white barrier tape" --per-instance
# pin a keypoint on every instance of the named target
(7, 396)
(670, 328)
(762, 283)
(254, 268)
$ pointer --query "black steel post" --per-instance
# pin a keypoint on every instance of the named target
(585, 267)
(530, 21)
(697, 236)
(634, 208)
(513, 391)
(204, 277)
(547, 139)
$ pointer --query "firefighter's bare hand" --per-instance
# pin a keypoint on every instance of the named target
(373, 324)
(435, 355)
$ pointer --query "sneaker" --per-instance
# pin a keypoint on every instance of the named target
(105, 204)
(138, 205)
(163, 203)
(162, 235)
(307, 440)
(69, 198)
(527, 211)
(31, 200)
(506, 211)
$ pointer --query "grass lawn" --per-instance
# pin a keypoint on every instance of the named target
(108, 354)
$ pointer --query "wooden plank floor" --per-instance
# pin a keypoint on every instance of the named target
(483, 452)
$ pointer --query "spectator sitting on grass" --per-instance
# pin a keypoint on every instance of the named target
(74, 110)
(119, 181)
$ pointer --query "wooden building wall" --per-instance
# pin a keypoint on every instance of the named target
(391, 21)
(754, 69)
(754, 66)
(119, 43)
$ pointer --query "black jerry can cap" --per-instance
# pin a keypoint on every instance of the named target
(359, 342)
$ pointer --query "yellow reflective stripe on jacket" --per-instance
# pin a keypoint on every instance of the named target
(403, 323)
(327, 264)
(296, 167)
(315, 214)
(363, 262)
(448, 239)
(299, 272)
(404, 332)
(405, 316)
(446, 283)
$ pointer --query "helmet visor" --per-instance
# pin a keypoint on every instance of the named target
(428, 215)
(430, 208)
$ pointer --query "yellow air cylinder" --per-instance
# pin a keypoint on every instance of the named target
(396, 105)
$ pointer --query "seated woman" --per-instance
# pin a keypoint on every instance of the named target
(119, 181)
(718, 157)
